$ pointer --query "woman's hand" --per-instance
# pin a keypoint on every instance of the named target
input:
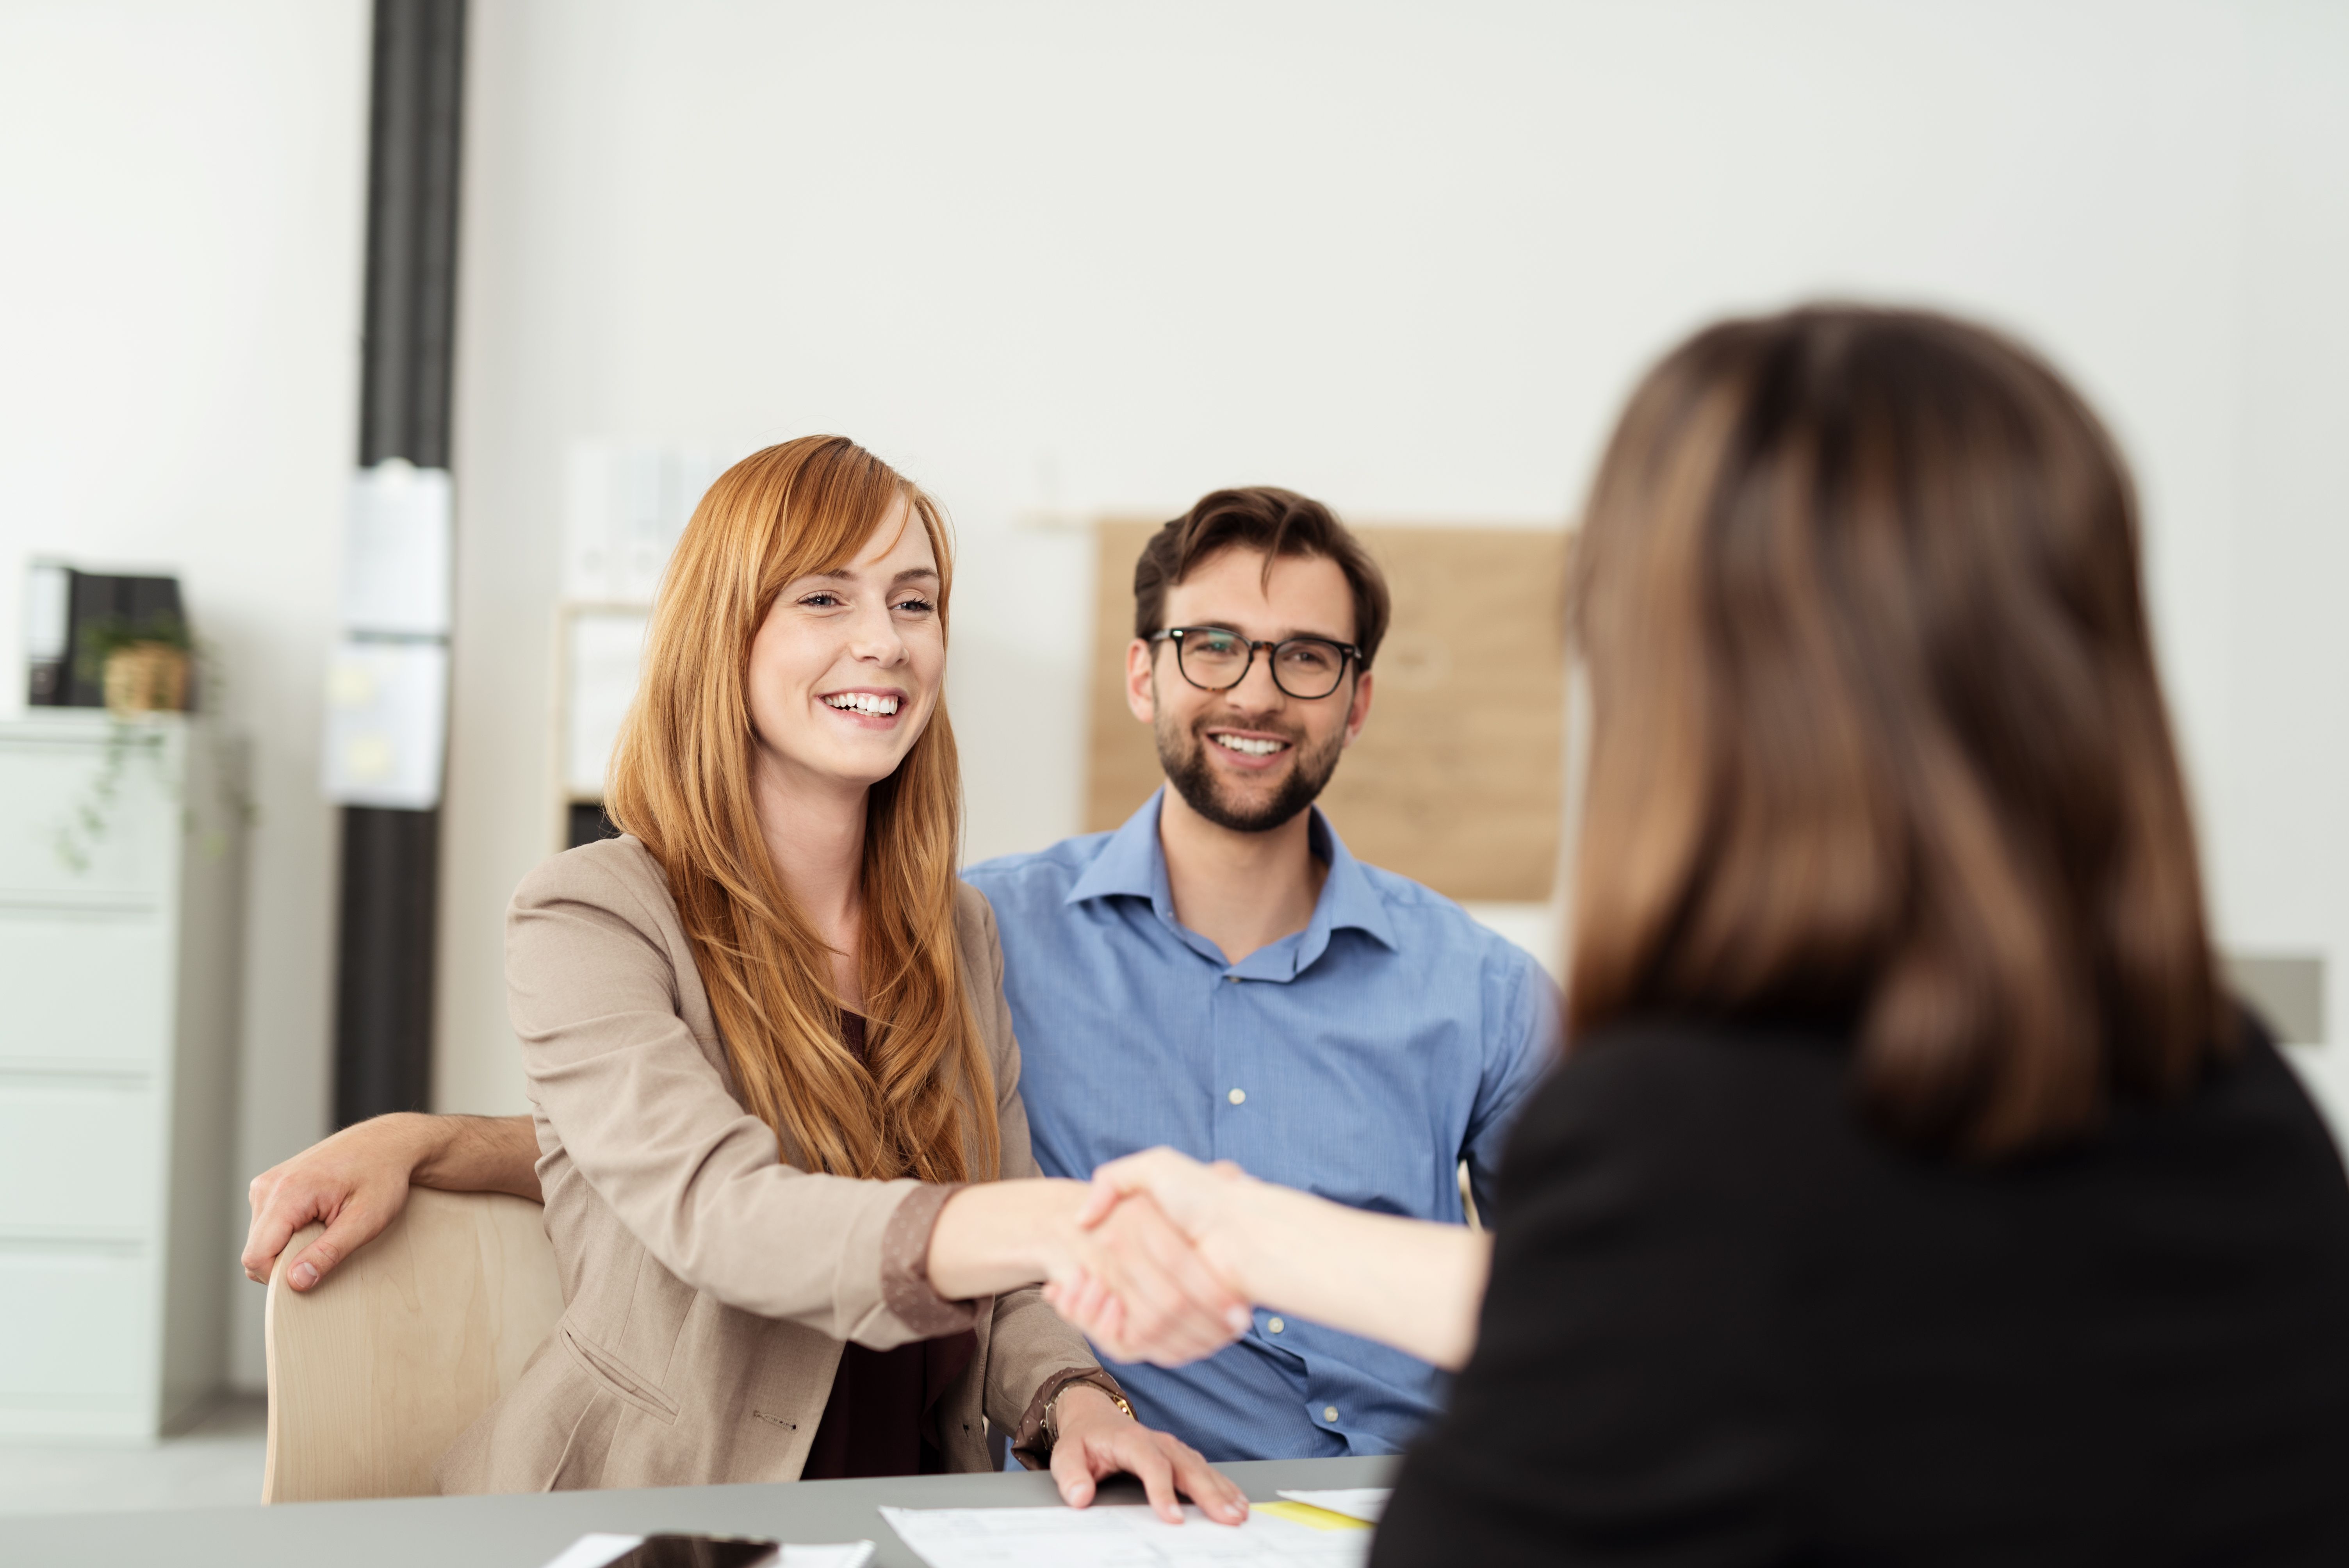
(1206, 1202)
(1173, 1308)
(998, 1235)
(1097, 1438)
(1202, 1200)
(1411, 1284)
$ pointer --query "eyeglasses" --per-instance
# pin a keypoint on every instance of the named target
(1214, 659)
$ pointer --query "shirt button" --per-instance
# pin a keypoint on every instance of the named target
(1237, 1096)
(1275, 1325)
(1232, 979)
(1330, 1412)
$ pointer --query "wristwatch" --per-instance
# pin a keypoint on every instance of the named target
(1053, 1406)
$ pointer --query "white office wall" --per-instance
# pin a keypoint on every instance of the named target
(182, 193)
(1064, 257)
(2279, 835)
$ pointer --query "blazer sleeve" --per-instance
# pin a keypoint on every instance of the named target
(1032, 1353)
(648, 1121)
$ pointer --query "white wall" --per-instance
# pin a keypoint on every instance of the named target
(1073, 257)
(2281, 828)
(182, 191)
(1078, 258)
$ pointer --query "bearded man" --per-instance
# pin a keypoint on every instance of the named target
(1219, 975)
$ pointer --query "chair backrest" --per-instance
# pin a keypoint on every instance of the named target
(374, 1370)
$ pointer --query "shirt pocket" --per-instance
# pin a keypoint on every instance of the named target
(622, 1382)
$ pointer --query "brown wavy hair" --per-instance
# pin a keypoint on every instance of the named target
(680, 782)
(1876, 731)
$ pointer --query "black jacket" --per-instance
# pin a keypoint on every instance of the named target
(1727, 1324)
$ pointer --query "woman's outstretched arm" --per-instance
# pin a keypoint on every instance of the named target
(1411, 1283)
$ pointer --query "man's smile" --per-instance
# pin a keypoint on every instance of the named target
(1251, 749)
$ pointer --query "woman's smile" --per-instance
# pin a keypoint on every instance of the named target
(868, 707)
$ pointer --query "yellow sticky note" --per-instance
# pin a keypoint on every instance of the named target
(1305, 1514)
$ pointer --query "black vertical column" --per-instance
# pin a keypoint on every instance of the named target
(383, 1003)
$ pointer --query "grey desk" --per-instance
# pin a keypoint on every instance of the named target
(525, 1532)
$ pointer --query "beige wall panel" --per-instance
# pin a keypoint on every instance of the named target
(1456, 781)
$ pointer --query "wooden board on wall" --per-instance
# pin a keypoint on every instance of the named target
(1458, 778)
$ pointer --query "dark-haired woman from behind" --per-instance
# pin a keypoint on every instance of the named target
(1911, 1193)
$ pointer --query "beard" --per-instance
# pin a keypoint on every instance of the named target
(1183, 753)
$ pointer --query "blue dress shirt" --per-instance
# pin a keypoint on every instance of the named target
(1362, 1058)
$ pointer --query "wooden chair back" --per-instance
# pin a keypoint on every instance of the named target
(374, 1370)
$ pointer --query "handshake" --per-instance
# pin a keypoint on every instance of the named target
(1161, 1258)
(1159, 1263)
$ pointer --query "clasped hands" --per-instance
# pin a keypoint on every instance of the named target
(1165, 1280)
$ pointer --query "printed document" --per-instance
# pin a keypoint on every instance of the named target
(1120, 1536)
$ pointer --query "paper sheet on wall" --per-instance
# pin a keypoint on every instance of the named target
(605, 649)
(1117, 1537)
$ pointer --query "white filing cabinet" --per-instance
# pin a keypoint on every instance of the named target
(121, 849)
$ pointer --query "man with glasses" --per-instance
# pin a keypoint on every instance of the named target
(1218, 975)
(1221, 976)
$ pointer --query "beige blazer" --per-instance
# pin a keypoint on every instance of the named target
(707, 1284)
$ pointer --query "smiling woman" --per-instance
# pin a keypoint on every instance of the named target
(785, 1163)
(834, 573)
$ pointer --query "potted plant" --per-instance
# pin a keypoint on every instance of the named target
(143, 665)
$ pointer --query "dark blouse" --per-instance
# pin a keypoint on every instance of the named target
(881, 1419)
(1728, 1325)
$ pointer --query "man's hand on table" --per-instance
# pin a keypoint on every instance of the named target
(356, 1183)
(1097, 1440)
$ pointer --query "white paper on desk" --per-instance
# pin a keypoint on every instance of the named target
(1122, 1536)
(1362, 1503)
(595, 1550)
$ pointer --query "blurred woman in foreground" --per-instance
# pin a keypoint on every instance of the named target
(1912, 1193)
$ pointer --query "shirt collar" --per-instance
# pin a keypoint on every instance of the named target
(1347, 897)
(1133, 863)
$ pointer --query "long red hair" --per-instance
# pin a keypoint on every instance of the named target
(921, 1102)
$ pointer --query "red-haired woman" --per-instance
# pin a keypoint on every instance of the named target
(1911, 1192)
(786, 1165)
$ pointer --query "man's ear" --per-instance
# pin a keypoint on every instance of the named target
(1359, 709)
(1141, 682)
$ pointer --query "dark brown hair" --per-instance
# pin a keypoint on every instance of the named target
(1277, 521)
(1877, 734)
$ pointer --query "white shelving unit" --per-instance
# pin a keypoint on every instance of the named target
(120, 856)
